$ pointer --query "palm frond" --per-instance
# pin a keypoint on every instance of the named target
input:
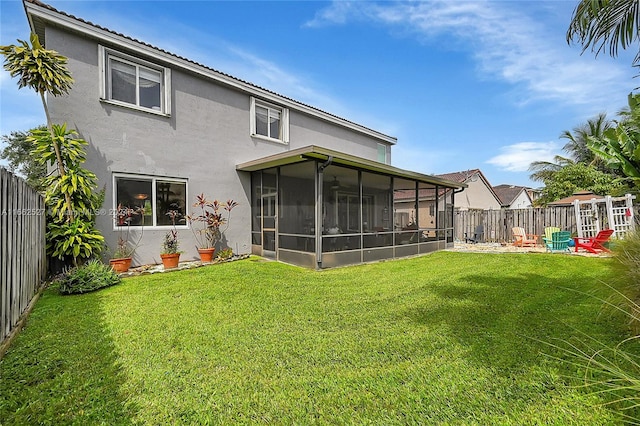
(605, 25)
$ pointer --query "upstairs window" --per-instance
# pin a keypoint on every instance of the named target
(382, 153)
(134, 83)
(269, 121)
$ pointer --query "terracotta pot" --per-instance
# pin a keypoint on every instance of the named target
(170, 260)
(120, 265)
(206, 254)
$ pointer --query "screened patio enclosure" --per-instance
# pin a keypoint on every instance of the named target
(320, 208)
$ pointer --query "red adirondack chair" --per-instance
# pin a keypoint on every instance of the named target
(594, 244)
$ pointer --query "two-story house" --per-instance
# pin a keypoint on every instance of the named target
(313, 189)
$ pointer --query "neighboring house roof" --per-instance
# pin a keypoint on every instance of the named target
(463, 176)
(579, 195)
(38, 12)
(467, 176)
(508, 193)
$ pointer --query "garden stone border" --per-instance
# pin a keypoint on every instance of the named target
(190, 264)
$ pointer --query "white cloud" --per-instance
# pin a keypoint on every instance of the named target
(518, 157)
(505, 43)
(267, 74)
(338, 13)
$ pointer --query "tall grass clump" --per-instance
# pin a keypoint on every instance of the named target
(614, 371)
(627, 256)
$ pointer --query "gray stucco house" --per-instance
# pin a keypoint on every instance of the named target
(313, 189)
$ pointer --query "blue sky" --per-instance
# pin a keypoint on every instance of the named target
(462, 85)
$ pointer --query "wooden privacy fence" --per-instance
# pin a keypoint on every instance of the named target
(23, 260)
(498, 223)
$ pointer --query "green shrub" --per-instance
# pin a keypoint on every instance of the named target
(91, 276)
(225, 254)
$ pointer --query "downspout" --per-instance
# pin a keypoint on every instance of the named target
(319, 203)
(453, 208)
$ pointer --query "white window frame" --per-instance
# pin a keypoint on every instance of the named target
(383, 147)
(284, 120)
(105, 54)
(154, 180)
(270, 195)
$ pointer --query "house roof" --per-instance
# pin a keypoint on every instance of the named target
(508, 193)
(462, 176)
(467, 176)
(578, 195)
(39, 13)
(336, 157)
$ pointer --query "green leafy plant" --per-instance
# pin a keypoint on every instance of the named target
(76, 239)
(578, 176)
(619, 146)
(70, 234)
(91, 276)
(210, 220)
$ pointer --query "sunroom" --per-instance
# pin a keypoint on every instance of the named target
(320, 208)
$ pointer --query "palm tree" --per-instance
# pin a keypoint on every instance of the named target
(577, 145)
(578, 149)
(606, 24)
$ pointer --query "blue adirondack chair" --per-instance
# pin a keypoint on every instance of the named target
(559, 241)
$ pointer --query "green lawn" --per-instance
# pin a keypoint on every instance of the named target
(446, 338)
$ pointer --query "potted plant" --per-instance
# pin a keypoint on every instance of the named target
(170, 254)
(126, 247)
(206, 225)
